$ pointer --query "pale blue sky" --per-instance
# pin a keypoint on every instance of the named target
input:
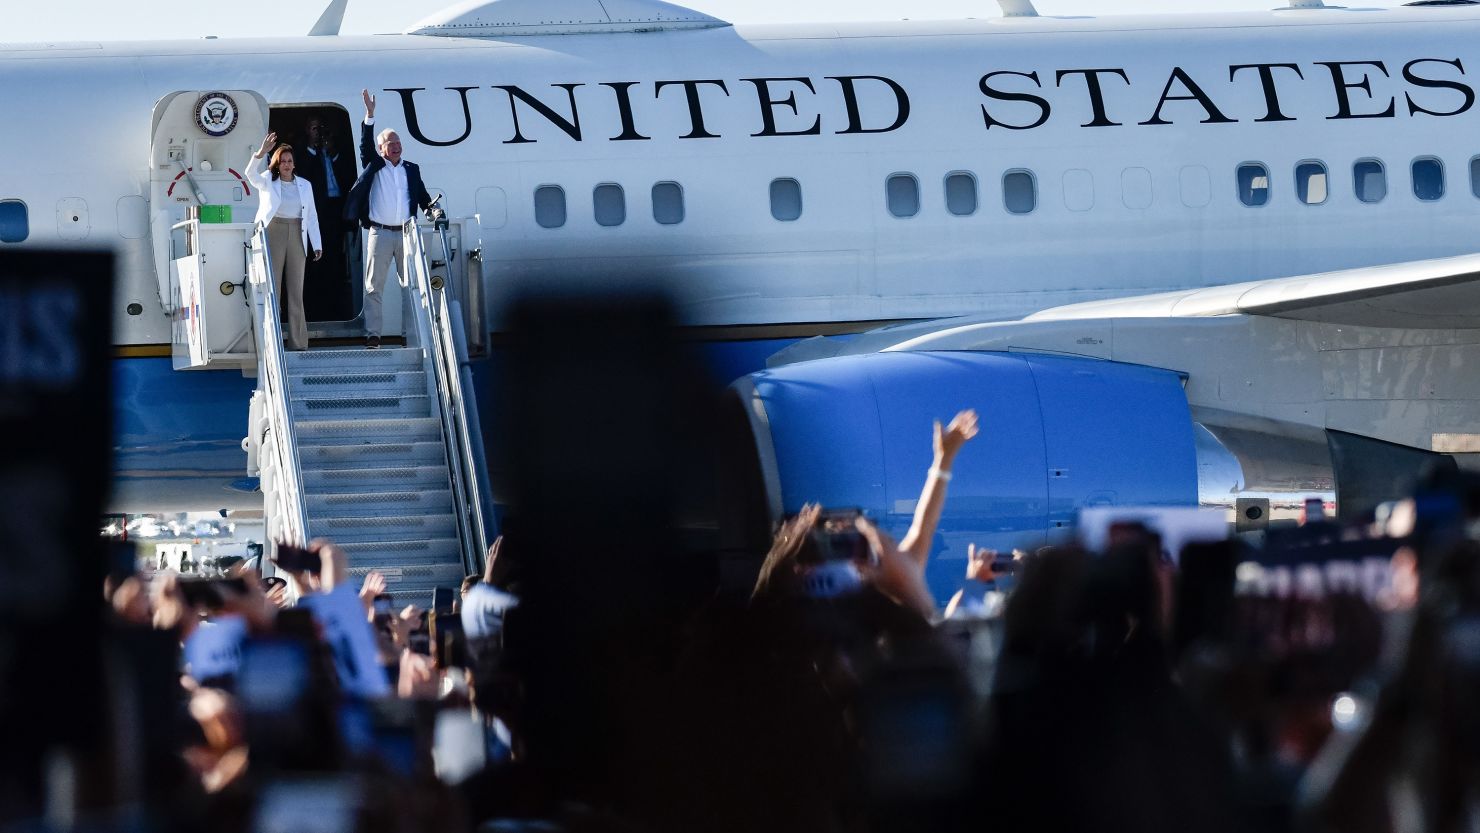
(40, 20)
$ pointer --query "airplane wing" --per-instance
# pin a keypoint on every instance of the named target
(1430, 294)
(1443, 293)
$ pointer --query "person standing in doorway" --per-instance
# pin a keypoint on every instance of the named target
(326, 291)
(286, 208)
(385, 196)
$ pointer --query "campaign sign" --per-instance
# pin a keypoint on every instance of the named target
(347, 630)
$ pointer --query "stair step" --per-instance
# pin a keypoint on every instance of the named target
(349, 407)
(354, 360)
(368, 383)
(363, 431)
(424, 552)
(371, 454)
(379, 479)
(346, 530)
(378, 503)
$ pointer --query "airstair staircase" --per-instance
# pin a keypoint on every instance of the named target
(377, 450)
(374, 463)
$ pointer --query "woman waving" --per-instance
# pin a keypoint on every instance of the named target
(286, 209)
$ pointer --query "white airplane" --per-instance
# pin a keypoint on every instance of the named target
(816, 180)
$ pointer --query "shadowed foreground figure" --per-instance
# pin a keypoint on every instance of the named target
(1087, 729)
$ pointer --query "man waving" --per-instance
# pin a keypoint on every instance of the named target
(385, 196)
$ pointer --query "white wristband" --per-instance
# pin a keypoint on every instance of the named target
(941, 475)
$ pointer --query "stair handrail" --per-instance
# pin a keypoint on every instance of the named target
(459, 427)
(272, 379)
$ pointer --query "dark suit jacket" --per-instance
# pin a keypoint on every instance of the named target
(311, 168)
(357, 206)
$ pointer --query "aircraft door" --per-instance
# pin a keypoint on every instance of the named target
(200, 144)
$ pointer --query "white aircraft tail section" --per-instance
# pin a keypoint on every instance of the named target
(330, 21)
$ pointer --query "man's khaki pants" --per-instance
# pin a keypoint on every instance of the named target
(385, 248)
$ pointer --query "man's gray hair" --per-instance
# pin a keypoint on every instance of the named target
(384, 135)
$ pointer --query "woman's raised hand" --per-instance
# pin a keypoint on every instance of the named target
(268, 143)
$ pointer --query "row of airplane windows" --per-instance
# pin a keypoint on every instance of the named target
(1019, 193)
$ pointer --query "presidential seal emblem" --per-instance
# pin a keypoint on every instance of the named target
(215, 114)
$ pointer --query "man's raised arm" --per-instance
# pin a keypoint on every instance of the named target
(367, 130)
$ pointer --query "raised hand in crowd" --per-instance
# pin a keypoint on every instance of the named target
(277, 594)
(373, 586)
(130, 601)
(369, 104)
(947, 442)
(979, 568)
(171, 611)
(403, 625)
(492, 559)
(253, 604)
(979, 562)
(419, 678)
(333, 564)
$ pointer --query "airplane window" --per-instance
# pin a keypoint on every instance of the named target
(1370, 180)
(1310, 182)
(610, 204)
(903, 192)
(961, 194)
(549, 206)
(1428, 179)
(492, 205)
(1135, 188)
(668, 203)
(15, 226)
(1196, 186)
(1253, 184)
(786, 199)
(1019, 192)
(1475, 176)
(1079, 190)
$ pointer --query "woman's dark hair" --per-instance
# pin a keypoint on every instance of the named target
(277, 158)
(792, 545)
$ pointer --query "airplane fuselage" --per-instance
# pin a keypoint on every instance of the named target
(818, 176)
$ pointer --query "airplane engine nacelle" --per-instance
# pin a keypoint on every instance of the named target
(1057, 434)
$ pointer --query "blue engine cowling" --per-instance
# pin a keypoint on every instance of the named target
(1057, 433)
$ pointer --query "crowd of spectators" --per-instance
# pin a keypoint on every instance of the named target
(1223, 688)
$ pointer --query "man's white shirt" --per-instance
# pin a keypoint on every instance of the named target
(390, 197)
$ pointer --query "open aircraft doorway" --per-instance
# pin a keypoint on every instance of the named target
(324, 140)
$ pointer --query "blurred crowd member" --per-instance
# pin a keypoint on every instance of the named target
(981, 598)
(1086, 726)
(772, 696)
(1414, 763)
